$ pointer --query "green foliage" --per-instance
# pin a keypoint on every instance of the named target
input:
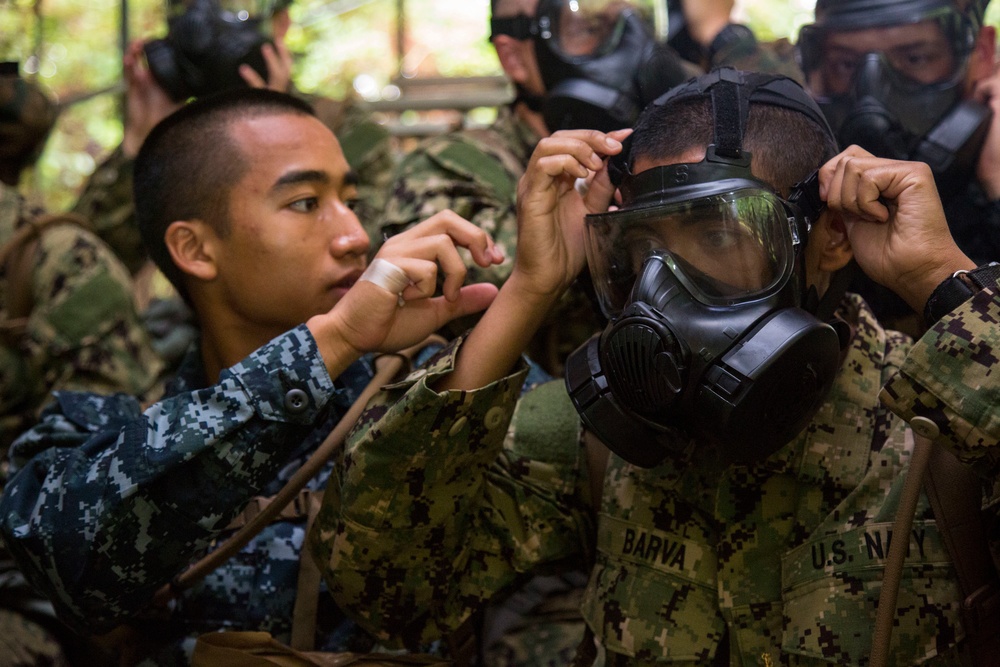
(339, 45)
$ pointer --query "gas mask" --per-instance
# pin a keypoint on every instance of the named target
(601, 61)
(904, 102)
(700, 274)
(206, 42)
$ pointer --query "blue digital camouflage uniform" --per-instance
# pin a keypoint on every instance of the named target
(109, 502)
(447, 498)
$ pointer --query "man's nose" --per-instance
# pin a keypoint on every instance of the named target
(349, 238)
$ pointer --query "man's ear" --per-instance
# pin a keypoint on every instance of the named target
(836, 250)
(193, 247)
(512, 58)
(981, 62)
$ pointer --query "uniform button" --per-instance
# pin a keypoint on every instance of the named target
(494, 417)
(296, 401)
(924, 427)
(457, 426)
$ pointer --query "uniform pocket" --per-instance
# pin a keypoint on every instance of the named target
(830, 589)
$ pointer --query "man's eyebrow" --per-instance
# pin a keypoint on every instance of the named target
(351, 178)
(302, 176)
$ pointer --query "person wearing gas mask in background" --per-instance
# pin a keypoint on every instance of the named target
(573, 64)
(211, 46)
(67, 322)
(741, 517)
(904, 79)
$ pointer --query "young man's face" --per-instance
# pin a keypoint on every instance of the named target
(920, 52)
(294, 245)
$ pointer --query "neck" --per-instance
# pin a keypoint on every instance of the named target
(532, 119)
(226, 341)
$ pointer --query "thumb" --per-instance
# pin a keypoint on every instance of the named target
(471, 299)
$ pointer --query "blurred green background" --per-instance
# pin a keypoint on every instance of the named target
(73, 48)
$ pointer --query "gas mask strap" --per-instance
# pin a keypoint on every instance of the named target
(520, 27)
(730, 109)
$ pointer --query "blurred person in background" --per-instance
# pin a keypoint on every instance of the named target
(67, 322)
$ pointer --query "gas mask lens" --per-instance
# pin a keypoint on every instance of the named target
(726, 248)
(929, 52)
(590, 28)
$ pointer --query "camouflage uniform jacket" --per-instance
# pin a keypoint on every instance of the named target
(106, 199)
(447, 498)
(109, 502)
(475, 174)
(82, 331)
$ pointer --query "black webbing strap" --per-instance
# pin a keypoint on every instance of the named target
(730, 109)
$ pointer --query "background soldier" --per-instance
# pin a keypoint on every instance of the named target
(67, 322)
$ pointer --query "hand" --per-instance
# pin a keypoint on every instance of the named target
(706, 18)
(987, 92)
(550, 209)
(895, 222)
(369, 318)
(146, 102)
(279, 68)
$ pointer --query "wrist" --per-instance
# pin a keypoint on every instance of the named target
(337, 353)
(958, 288)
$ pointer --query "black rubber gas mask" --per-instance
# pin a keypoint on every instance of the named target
(206, 43)
(601, 61)
(903, 102)
(700, 274)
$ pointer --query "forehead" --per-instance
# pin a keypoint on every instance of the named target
(689, 156)
(886, 37)
(275, 144)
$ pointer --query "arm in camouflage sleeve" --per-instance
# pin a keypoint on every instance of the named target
(949, 374)
(435, 514)
(950, 377)
(114, 502)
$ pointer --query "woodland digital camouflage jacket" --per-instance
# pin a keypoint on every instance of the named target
(447, 498)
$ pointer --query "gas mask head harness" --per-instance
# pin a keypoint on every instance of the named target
(903, 101)
(207, 41)
(700, 273)
(601, 61)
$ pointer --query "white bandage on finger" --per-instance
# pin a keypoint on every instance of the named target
(582, 186)
(387, 275)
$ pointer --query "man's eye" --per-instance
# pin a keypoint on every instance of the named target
(305, 205)
(353, 203)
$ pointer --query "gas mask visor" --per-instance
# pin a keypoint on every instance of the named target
(583, 29)
(729, 236)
